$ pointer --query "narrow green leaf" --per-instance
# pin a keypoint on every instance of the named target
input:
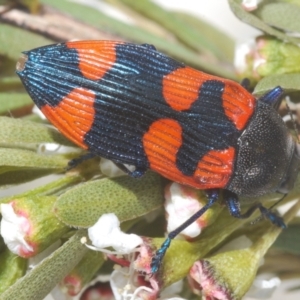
(11, 101)
(9, 83)
(191, 36)
(44, 277)
(84, 272)
(22, 133)
(289, 240)
(53, 188)
(18, 41)
(12, 178)
(2, 245)
(280, 15)
(12, 268)
(289, 82)
(217, 38)
(132, 33)
(13, 159)
(253, 20)
(127, 197)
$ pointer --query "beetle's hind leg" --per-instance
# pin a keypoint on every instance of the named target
(233, 204)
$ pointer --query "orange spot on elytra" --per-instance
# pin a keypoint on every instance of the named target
(74, 115)
(161, 143)
(95, 57)
(181, 87)
(238, 104)
(215, 168)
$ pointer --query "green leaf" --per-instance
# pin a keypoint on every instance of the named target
(253, 20)
(53, 188)
(84, 272)
(21, 133)
(14, 159)
(132, 33)
(11, 101)
(9, 83)
(192, 36)
(280, 15)
(289, 82)
(11, 178)
(12, 268)
(43, 278)
(18, 41)
(215, 37)
(127, 197)
(289, 240)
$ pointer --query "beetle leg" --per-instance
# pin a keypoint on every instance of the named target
(233, 205)
(213, 196)
(138, 172)
(73, 163)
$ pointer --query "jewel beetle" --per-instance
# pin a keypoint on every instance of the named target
(134, 105)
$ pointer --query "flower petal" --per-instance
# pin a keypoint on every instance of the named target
(107, 233)
(14, 229)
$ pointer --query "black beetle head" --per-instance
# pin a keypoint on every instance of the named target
(268, 157)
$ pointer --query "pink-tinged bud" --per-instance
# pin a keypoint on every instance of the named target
(83, 273)
(99, 290)
(228, 274)
(129, 280)
(250, 5)
(29, 226)
(208, 283)
(15, 228)
(132, 254)
(143, 260)
(267, 56)
(73, 284)
(181, 203)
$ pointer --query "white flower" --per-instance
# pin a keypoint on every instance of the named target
(242, 50)
(107, 233)
(127, 284)
(13, 229)
(124, 284)
(180, 205)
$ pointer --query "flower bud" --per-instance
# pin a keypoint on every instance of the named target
(99, 290)
(250, 5)
(29, 226)
(268, 56)
(83, 273)
(181, 203)
(230, 274)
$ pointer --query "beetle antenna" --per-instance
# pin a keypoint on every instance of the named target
(296, 131)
